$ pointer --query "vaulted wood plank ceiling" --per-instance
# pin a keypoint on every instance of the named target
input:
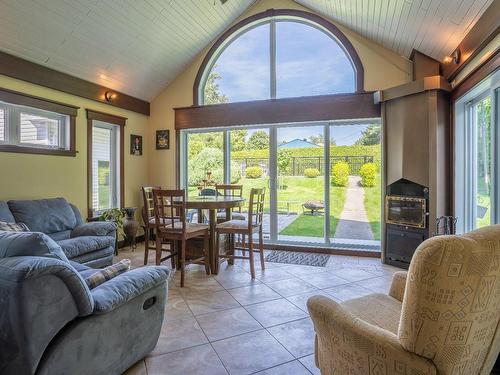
(139, 46)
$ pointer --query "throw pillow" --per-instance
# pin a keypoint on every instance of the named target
(17, 244)
(107, 273)
(13, 227)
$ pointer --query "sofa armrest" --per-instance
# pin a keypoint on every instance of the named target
(339, 335)
(398, 285)
(126, 286)
(95, 228)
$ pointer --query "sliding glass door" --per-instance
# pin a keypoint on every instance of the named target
(322, 179)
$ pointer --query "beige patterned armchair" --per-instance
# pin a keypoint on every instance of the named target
(442, 317)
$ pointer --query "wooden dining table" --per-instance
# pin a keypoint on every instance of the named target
(213, 204)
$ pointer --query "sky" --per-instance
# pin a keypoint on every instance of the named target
(308, 62)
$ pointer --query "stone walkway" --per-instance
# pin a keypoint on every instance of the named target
(353, 220)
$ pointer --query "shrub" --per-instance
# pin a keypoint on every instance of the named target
(368, 173)
(340, 174)
(311, 172)
(254, 172)
(208, 159)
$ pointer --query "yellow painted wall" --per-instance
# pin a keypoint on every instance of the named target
(25, 176)
(383, 69)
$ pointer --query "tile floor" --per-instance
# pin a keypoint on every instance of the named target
(231, 324)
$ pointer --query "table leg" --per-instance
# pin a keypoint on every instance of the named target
(229, 239)
(213, 251)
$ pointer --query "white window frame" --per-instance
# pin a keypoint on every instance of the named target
(12, 126)
(114, 165)
(466, 156)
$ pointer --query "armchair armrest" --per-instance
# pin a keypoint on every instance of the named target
(123, 288)
(339, 335)
(95, 228)
(398, 285)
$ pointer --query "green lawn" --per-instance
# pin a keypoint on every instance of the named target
(372, 207)
(313, 226)
(483, 200)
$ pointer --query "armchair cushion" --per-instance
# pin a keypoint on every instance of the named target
(100, 276)
(14, 244)
(44, 215)
(95, 228)
(13, 227)
(398, 285)
(74, 247)
(127, 286)
(5, 214)
(346, 344)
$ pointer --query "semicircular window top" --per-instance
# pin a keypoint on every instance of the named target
(277, 58)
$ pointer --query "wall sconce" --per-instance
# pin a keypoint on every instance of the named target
(455, 58)
(109, 96)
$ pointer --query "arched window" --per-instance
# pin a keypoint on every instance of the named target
(278, 54)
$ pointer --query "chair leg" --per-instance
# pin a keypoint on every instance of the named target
(183, 261)
(146, 245)
(216, 247)
(250, 250)
(261, 249)
(172, 252)
(206, 251)
(158, 250)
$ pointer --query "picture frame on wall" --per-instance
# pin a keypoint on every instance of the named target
(162, 139)
(136, 145)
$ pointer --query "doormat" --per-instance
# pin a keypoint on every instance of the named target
(291, 257)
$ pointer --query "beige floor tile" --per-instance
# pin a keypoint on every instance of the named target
(179, 335)
(248, 295)
(227, 323)
(377, 284)
(137, 369)
(297, 336)
(194, 285)
(290, 287)
(235, 277)
(275, 312)
(289, 368)
(352, 274)
(204, 303)
(348, 291)
(300, 270)
(176, 308)
(309, 363)
(251, 352)
(300, 300)
(199, 360)
(324, 280)
(273, 274)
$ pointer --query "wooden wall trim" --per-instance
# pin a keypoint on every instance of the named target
(477, 75)
(414, 87)
(351, 51)
(106, 117)
(116, 120)
(28, 71)
(311, 108)
(485, 29)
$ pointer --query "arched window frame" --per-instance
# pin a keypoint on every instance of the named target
(272, 16)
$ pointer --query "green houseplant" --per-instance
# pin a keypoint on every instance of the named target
(116, 215)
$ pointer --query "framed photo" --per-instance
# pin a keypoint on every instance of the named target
(135, 144)
(162, 139)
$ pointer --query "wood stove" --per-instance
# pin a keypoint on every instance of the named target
(406, 220)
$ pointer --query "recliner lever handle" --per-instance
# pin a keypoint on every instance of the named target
(149, 303)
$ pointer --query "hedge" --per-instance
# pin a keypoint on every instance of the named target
(340, 174)
(368, 173)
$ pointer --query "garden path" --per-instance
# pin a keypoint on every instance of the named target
(353, 220)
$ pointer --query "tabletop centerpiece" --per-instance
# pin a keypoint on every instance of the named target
(205, 183)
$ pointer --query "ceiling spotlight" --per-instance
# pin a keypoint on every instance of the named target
(109, 96)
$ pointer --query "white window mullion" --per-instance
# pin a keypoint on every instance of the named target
(272, 55)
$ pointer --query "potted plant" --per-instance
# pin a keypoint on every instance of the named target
(116, 215)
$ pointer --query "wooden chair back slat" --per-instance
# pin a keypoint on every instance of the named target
(227, 190)
(256, 207)
(147, 198)
(170, 210)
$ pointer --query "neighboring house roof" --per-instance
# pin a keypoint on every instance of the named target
(297, 143)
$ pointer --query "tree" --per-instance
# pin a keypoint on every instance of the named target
(238, 139)
(369, 136)
(317, 139)
(259, 140)
(213, 95)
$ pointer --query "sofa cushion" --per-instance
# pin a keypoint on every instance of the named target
(59, 236)
(101, 276)
(44, 215)
(5, 214)
(77, 246)
(14, 244)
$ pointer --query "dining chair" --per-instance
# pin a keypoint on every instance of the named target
(247, 227)
(171, 225)
(230, 191)
(148, 217)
